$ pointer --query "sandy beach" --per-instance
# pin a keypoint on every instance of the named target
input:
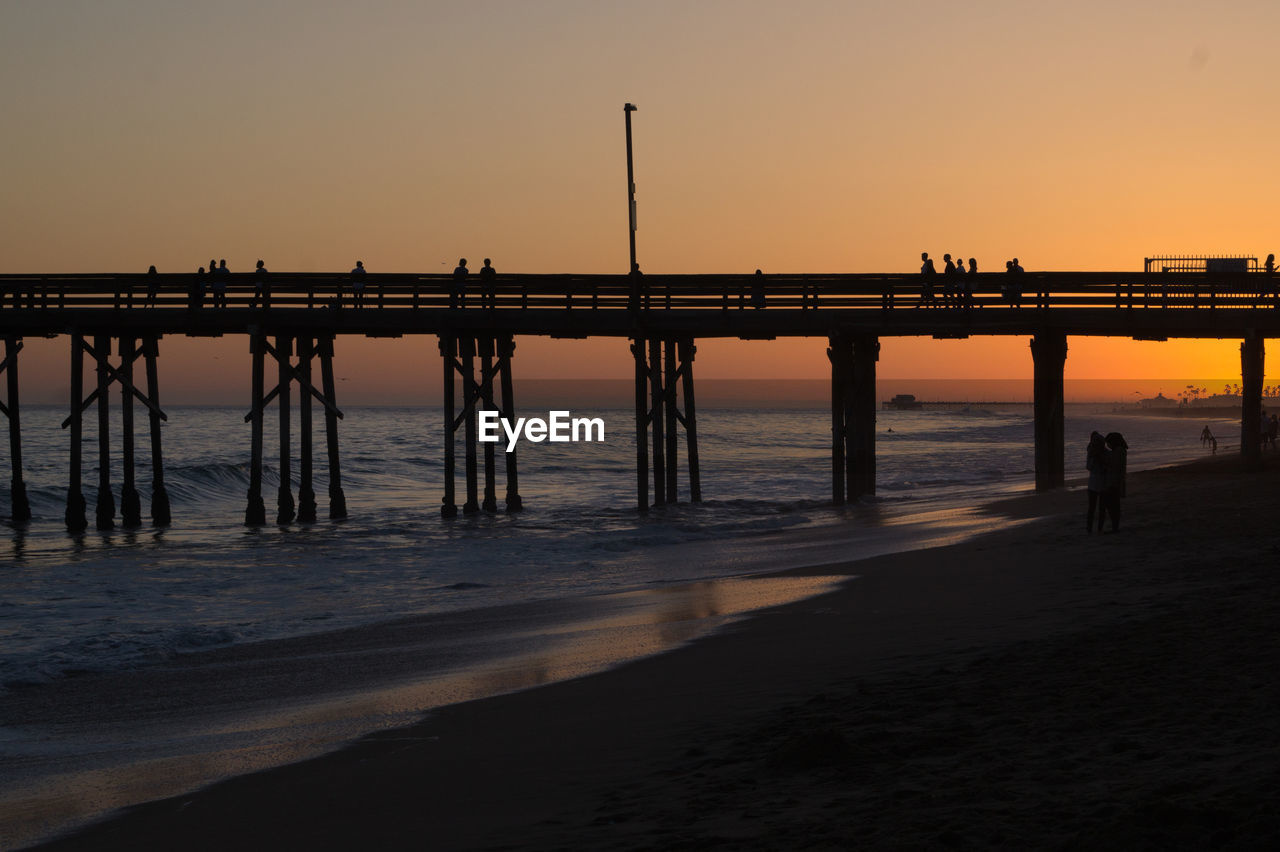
(1036, 687)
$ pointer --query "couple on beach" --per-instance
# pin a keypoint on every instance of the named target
(1106, 460)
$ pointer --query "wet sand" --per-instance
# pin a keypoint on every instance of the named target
(1035, 687)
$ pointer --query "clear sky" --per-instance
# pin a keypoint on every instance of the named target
(795, 137)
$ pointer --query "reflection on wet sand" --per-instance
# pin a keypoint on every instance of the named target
(167, 740)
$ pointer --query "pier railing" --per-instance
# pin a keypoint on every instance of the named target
(862, 292)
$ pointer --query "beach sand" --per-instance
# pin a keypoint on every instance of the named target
(1036, 687)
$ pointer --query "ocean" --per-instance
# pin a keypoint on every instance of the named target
(213, 645)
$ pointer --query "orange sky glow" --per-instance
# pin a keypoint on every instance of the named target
(801, 137)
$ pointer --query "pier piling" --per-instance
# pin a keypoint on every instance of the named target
(130, 502)
(642, 424)
(687, 351)
(19, 506)
(470, 400)
(490, 503)
(75, 515)
(1049, 353)
(105, 512)
(160, 515)
(448, 351)
(1252, 359)
(506, 351)
(284, 495)
(306, 488)
(255, 514)
(337, 497)
(657, 421)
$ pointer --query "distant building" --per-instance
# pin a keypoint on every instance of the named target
(904, 402)
(1158, 401)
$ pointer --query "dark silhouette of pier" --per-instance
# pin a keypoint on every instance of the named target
(661, 316)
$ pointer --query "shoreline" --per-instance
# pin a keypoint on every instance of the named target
(598, 761)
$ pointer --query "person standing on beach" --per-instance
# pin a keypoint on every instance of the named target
(1116, 470)
(1096, 463)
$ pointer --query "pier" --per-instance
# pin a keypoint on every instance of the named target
(296, 319)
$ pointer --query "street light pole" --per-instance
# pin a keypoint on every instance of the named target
(627, 109)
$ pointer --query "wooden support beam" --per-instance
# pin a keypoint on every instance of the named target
(75, 513)
(20, 507)
(490, 503)
(105, 513)
(1252, 360)
(687, 351)
(130, 502)
(306, 489)
(448, 351)
(860, 419)
(1049, 352)
(506, 351)
(642, 423)
(337, 497)
(470, 399)
(840, 354)
(669, 401)
(657, 421)
(255, 513)
(284, 494)
(160, 515)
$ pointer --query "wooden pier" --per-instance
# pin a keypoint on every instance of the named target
(296, 318)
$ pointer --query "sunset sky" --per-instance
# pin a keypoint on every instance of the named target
(796, 137)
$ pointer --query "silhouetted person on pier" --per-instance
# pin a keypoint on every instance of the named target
(1268, 289)
(1013, 287)
(195, 295)
(457, 293)
(757, 290)
(488, 286)
(357, 284)
(636, 280)
(261, 286)
(153, 286)
(950, 287)
(1096, 463)
(1116, 473)
(927, 272)
(220, 276)
(968, 283)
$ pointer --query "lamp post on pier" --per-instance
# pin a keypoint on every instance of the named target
(627, 109)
